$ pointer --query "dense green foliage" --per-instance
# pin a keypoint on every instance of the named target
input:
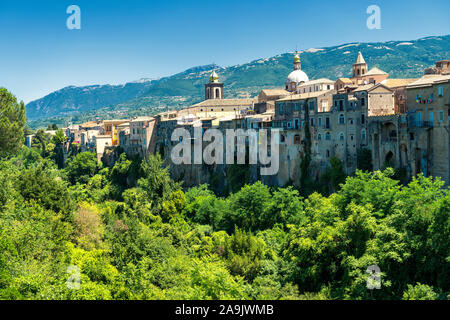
(12, 122)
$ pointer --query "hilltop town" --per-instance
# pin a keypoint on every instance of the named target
(370, 117)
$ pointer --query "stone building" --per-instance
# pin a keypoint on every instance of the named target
(428, 126)
(404, 123)
(111, 128)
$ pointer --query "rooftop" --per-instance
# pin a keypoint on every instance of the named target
(306, 95)
(225, 102)
(429, 79)
(275, 92)
(395, 83)
(139, 119)
(321, 80)
(346, 80)
(374, 71)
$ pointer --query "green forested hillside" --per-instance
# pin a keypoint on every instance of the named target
(399, 58)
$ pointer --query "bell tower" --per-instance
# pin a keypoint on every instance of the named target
(360, 66)
(213, 89)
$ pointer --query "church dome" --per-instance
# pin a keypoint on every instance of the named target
(297, 76)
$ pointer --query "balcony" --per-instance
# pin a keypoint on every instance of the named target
(421, 124)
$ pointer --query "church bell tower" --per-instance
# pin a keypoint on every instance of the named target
(213, 89)
(360, 66)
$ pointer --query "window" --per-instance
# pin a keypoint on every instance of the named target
(411, 136)
(441, 91)
(289, 124)
(324, 106)
(363, 135)
(363, 119)
(319, 137)
(319, 122)
(341, 119)
(282, 138)
(217, 93)
(328, 87)
(419, 118)
(312, 122)
(441, 115)
(351, 137)
(341, 136)
(328, 153)
(328, 136)
(363, 101)
(341, 105)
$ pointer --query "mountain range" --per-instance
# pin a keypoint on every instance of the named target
(401, 59)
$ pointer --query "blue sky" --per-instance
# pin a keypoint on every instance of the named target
(126, 40)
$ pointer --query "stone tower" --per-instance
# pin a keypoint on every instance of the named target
(360, 66)
(213, 89)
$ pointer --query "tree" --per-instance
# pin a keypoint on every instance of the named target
(44, 186)
(156, 182)
(12, 123)
(247, 206)
(83, 167)
(58, 152)
(419, 292)
(364, 161)
(285, 207)
(335, 174)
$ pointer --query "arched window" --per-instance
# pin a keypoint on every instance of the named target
(328, 136)
(341, 119)
(208, 93)
(217, 93)
(282, 138)
(341, 136)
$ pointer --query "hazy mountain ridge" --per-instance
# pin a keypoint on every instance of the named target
(401, 59)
